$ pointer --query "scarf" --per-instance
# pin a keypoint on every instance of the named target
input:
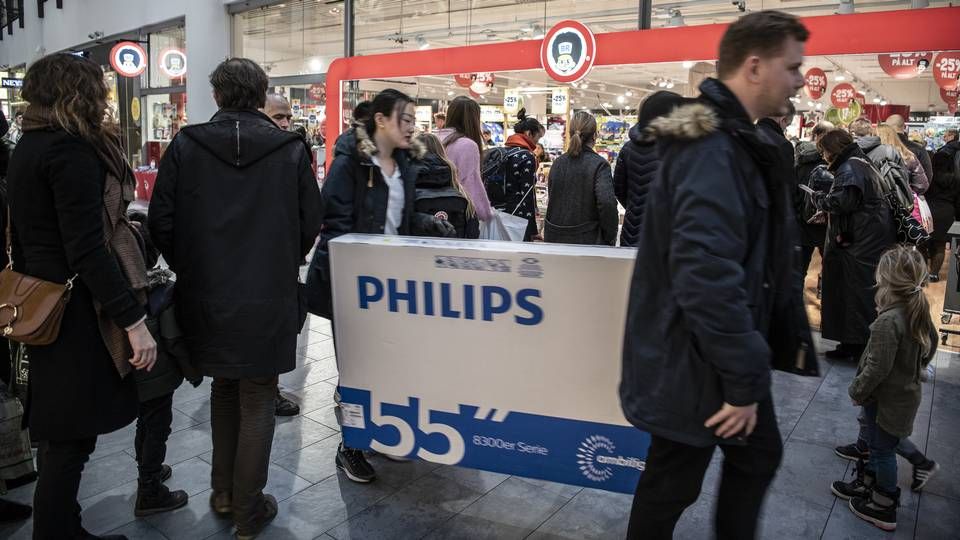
(519, 140)
(119, 235)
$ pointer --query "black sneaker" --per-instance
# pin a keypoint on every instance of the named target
(153, 498)
(879, 509)
(355, 465)
(858, 487)
(853, 452)
(922, 474)
(285, 407)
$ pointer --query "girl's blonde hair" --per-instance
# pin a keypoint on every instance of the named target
(583, 132)
(434, 146)
(901, 274)
(889, 136)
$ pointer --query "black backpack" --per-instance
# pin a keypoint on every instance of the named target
(493, 171)
(436, 196)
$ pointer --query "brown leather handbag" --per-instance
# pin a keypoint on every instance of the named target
(30, 308)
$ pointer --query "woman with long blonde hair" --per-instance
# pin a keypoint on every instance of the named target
(918, 177)
(903, 340)
(437, 171)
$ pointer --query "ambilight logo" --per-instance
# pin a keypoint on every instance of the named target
(595, 455)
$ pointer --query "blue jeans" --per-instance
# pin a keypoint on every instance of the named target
(906, 448)
(883, 458)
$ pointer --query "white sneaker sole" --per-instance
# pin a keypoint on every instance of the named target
(930, 473)
(889, 527)
(839, 495)
(356, 479)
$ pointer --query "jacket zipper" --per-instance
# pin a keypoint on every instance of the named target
(238, 143)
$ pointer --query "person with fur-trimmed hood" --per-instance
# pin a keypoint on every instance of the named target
(370, 189)
(714, 303)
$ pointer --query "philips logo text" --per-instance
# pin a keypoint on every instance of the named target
(450, 301)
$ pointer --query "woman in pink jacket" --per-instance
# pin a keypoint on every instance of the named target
(463, 139)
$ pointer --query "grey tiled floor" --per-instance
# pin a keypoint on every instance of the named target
(424, 500)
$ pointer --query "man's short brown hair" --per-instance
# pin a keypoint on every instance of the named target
(762, 33)
(861, 127)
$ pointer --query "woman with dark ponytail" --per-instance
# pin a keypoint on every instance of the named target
(583, 207)
(370, 189)
(520, 178)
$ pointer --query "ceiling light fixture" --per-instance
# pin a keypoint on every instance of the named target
(876, 100)
(450, 92)
(883, 103)
(687, 64)
(316, 65)
(839, 78)
(845, 7)
(335, 11)
(669, 84)
(538, 32)
(819, 106)
(621, 100)
(629, 93)
(422, 43)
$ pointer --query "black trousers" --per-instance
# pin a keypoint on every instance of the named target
(943, 216)
(56, 512)
(242, 419)
(674, 475)
(153, 428)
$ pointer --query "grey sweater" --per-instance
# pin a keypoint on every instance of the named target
(582, 208)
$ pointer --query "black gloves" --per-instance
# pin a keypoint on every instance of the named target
(427, 225)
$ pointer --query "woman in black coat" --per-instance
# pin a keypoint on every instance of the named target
(66, 176)
(374, 168)
(859, 230)
(582, 207)
(638, 163)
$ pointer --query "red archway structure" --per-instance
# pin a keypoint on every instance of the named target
(922, 29)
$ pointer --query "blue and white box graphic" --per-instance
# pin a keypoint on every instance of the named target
(499, 356)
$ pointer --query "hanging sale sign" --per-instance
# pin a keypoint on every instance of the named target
(318, 92)
(950, 97)
(560, 101)
(568, 51)
(946, 69)
(483, 372)
(128, 59)
(463, 79)
(905, 65)
(511, 100)
(173, 63)
(842, 95)
(482, 83)
(815, 83)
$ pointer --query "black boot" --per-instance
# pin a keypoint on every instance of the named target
(153, 497)
(879, 509)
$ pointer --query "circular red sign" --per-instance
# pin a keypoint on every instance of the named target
(842, 95)
(905, 65)
(950, 97)
(317, 92)
(482, 83)
(173, 62)
(568, 51)
(815, 83)
(128, 59)
(464, 79)
(946, 69)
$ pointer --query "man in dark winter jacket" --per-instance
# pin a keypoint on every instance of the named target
(900, 126)
(943, 197)
(638, 162)
(811, 171)
(234, 211)
(713, 302)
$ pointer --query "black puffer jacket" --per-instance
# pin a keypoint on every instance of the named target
(811, 171)
(234, 211)
(636, 168)
(715, 299)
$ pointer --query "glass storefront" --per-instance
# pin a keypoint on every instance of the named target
(291, 38)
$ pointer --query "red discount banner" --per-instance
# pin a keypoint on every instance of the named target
(946, 69)
(482, 83)
(950, 97)
(815, 83)
(842, 95)
(464, 79)
(318, 92)
(905, 65)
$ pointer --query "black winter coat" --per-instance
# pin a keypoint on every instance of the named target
(920, 151)
(56, 184)
(811, 169)
(860, 229)
(582, 207)
(234, 211)
(715, 299)
(636, 168)
(354, 200)
(945, 184)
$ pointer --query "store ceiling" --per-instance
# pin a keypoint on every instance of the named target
(298, 37)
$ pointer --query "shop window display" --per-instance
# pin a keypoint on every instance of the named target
(298, 37)
(168, 58)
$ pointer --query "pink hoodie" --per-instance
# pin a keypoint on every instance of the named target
(466, 158)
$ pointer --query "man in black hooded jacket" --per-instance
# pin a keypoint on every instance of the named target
(713, 302)
(234, 211)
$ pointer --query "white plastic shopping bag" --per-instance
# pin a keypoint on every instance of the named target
(503, 226)
(925, 214)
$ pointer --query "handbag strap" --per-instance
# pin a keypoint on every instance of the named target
(523, 198)
(9, 235)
